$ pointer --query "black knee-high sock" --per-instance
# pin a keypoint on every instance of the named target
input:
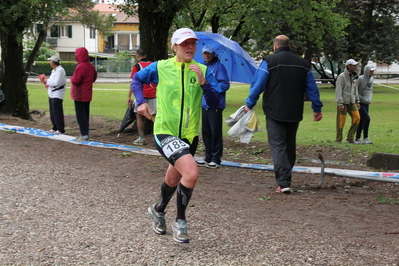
(166, 194)
(183, 196)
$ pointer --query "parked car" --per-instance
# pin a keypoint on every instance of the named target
(321, 73)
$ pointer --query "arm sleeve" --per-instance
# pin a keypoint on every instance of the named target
(222, 77)
(312, 91)
(338, 90)
(77, 77)
(144, 76)
(211, 90)
(258, 85)
(56, 79)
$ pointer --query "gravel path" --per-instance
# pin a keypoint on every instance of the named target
(64, 204)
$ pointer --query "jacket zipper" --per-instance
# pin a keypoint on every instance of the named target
(182, 101)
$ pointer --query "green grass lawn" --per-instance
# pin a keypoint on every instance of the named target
(109, 100)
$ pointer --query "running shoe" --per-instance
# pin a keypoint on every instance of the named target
(180, 232)
(202, 163)
(213, 165)
(140, 141)
(285, 190)
(158, 220)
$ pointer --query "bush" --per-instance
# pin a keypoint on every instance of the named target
(43, 67)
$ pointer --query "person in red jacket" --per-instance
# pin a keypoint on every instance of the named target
(149, 92)
(82, 90)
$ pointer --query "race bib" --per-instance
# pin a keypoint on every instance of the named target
(173, 145)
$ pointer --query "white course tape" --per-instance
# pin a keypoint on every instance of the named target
(375, 176)
(71, 139)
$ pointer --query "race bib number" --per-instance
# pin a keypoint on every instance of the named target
(173, 145)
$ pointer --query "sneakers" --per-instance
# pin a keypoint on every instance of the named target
(202, 163)
(285, 190)
(82, 138)
(212, 165)
(158, 223)
(140, 141)
(180, 232)
(367, 141)
(52, 131)
(352, 141)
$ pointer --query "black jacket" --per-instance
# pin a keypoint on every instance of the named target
(283, 98)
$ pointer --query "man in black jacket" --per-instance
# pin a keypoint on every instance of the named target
(284, 78)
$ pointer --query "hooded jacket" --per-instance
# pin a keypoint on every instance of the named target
(83, 77)
(345, 88)
(219, 71)
(365, 86)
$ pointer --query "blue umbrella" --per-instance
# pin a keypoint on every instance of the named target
(239, 65)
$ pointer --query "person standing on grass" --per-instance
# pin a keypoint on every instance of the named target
(212, 118)
(82, 90)
(56, 90)
(284, 78)
(149, 92)
(181, 83)
(347, 99)
(365, 91)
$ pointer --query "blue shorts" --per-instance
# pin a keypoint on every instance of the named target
(172, 148)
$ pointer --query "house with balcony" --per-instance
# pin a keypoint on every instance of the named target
(65, 36)
(126, 35)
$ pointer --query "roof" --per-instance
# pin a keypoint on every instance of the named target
(105, 8)
(120, 16)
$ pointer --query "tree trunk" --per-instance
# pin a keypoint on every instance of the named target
(13, 84)
(154, 33)
(33, 54)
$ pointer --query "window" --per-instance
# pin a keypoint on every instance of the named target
(61, 31)
(39, 27)
(54, 31)
(92, 33)
(66, 31)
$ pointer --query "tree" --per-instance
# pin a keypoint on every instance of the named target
(156, 17)
(373, 33)
(42, 55)
(254, 23)
(227, 17)
(17, 17)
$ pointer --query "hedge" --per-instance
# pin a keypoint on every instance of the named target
(43, 67)
(112, 66)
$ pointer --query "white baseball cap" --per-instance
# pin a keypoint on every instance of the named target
(183, 34)
(351, 62)
(55, 58)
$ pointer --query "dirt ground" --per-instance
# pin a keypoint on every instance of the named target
(235, 218)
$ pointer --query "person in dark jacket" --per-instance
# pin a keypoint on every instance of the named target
(82, 90)
(284, 78)
(212, 118)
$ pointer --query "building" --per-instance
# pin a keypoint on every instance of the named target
(65, 36)
(126, 35)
